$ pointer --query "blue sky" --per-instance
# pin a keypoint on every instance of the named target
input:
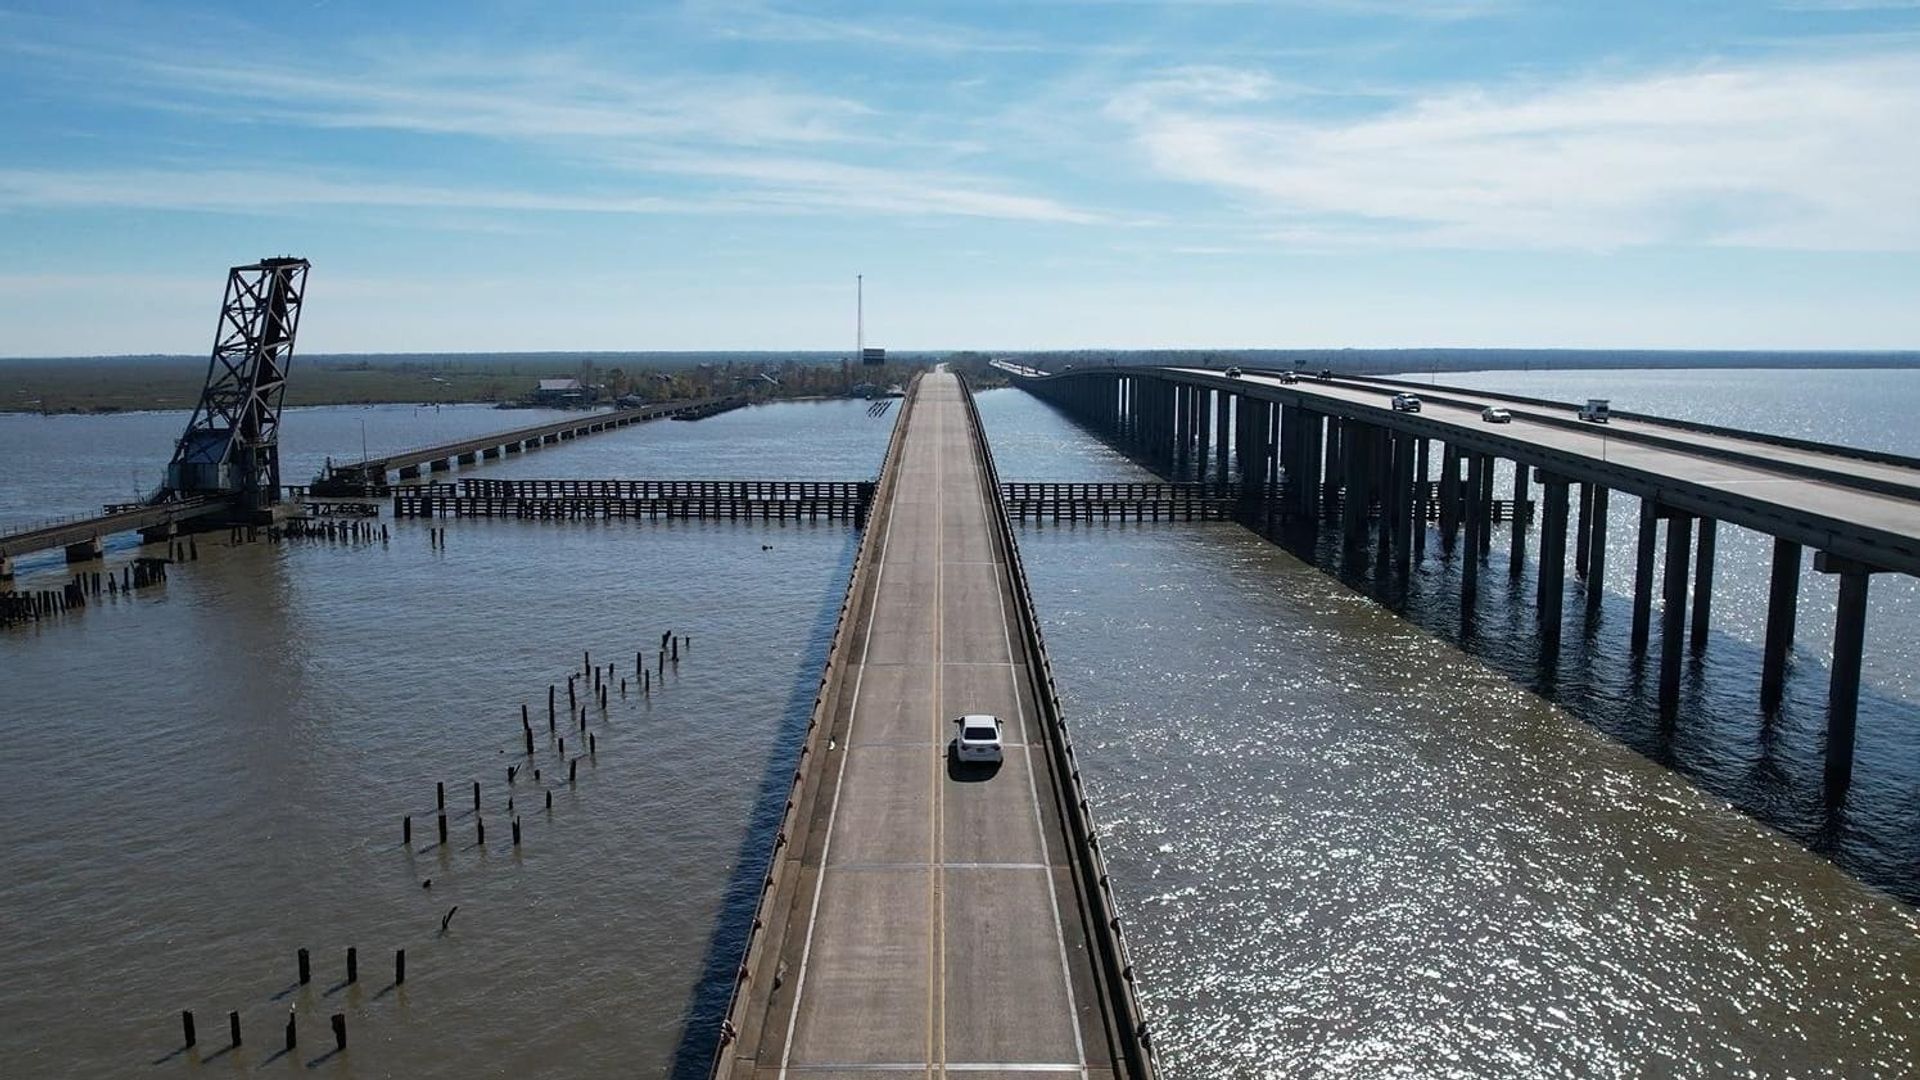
(494, 175)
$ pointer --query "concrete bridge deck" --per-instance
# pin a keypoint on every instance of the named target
(925, 918)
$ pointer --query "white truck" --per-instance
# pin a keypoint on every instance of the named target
(1595, 410)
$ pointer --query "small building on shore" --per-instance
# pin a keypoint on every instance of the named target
(562, 393)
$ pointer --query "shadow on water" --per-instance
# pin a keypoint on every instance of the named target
(693, 1057)
(1769, 766)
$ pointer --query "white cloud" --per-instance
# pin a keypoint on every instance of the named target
(1814, 155)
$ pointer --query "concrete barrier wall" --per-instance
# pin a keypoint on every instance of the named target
(1100, 911)
(786, 874)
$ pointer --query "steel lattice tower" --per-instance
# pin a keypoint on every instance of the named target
(232, 444)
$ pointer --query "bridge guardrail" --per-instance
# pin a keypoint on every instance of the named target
(767, 932)
(1090, 872)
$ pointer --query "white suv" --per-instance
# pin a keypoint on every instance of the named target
(1406, 403)
(979, 738)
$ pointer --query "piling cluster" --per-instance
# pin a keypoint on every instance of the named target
(73, 596)
(350, 532)
(290, 1033)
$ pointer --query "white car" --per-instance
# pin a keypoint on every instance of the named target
(1406, 403)
(979, 738)
(1494, 414)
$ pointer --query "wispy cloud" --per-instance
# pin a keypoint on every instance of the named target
(738, 142)
(1796, 155)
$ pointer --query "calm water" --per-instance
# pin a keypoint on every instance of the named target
(212, 775)
(1349, 848)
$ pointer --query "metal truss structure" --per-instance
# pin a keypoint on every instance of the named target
(232, 445)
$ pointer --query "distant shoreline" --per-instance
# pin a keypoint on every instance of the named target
(93, 386)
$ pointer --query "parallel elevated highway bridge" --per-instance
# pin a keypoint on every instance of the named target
(1308, 450)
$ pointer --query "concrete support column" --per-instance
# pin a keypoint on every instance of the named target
(1312, 457)
(1354, 439)
(1449, 495)
(1673, 611)
(1783, 609)
(1203, 433)
(1843, 692)
(1553, 562)
(1476, 523)
(1222, 404)
(1703, 584)
(1517, 551)
(6, 567)
(1486, 505)
(1583, 539)
(1596, 534)
(1422, 492)
(1336, 467)
(1643, 575)
(1405, 455)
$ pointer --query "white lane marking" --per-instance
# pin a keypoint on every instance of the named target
(1033, 792)
(963, 1066)
(839, 783)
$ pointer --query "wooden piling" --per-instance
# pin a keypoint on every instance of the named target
(440, 794)
(528, 732)
(186, 1025)
(292, 1032)
(479, 829)
(399, 966)
(516, 832)
(573, 769)
(476, 796)
(306, 968)
(443, 829)
(339, 1021)
(233, 1027)
(353, 964)
(593, 746)
(406, 829)
(549, 798)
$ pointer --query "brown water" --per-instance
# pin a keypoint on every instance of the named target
(209, 776)
(1346, 847)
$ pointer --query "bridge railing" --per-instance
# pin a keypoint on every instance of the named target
(1115, 960)
(760, 955)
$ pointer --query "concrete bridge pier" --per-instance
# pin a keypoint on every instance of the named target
(1783, 608)
(439, 465)
(1595, 532)
(491, 453)
(410, 472)
(1422, 492)
(1486, 504)
(512, 447)
(1703, 584)
(1643, 576)
(86, 550)
(1199, 416)
(1336, 470)
(1353, 467)
(1843, 692)
(1673, 611)
(1222, 430)
(1312, 437)
(1449, 496)
(467, 458)
(1553, 561)
(1582, 537)
(1517, 549)
(1406, 454)
(1476, 523)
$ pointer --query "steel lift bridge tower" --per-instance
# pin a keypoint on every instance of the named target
(231, 448)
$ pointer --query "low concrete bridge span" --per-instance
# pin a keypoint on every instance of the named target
(1306, 450)
(921, 917)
